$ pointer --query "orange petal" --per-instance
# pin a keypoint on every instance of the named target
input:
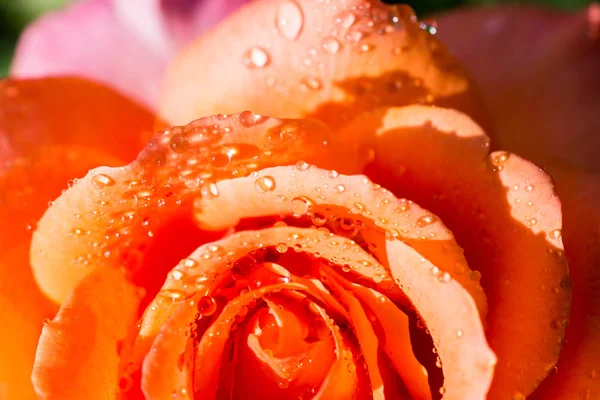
(397, 344)
(325, 195)
(77, 356)
(288, 193)
(367, 339)
(329, 60)
(125, 205)
(25, 189)
(37, 113)
(503, 211)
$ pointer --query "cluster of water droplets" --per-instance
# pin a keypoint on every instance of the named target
(352, 28)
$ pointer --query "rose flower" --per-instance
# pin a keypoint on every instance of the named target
(357, 235)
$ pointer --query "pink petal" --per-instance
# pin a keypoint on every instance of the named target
(538, 70)
(123, 43)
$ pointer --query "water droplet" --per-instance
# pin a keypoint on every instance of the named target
(340, 188)
(289, 20)
(284, 384)
(125, 383)
(46, 321)
(459, 333)
(207, 306)
(442, 390)
(566, 283)
(333, 174)
(178, 143)
(248, 118)
(302, 166)
(210, 190)
(528, 188)
(264, 184)
(426, 220)
(256, 57)
(192, 183)
(555, 234)
(346, 19)
(281, 248)
(300, 205)
(331, 45)
(100, 181)
(311, 84)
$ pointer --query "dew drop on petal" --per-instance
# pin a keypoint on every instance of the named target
(311, 83)
(555, 233)
(264, 184)
(100, 181)
(346, 19)
(426, 220)
(331, 45)
(289, 19)
(207, 306)
(249, 119)
(256, 57)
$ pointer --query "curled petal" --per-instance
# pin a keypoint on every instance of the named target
(323, 195)
(514, 218)
(328, 60)
(78, 355)
(47, 129)
(125, 205)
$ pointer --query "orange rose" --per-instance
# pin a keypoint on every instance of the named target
(242, 256)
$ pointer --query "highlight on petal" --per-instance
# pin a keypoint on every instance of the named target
(68, 111)
(124, 206)
(502, 210)
(328, 60)
(78, 355)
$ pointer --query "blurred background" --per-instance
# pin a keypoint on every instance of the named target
(15, 14)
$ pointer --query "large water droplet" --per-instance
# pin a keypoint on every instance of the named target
(100, 181)
(256, 57)
(264, 184)
(289, 20)
(207, 306)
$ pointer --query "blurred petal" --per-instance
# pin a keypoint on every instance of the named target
(126, 44)
(328, 60)
(39, 113)
(48, 127)
(78, 355)
(538, 71)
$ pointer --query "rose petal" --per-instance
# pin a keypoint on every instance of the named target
(505, 213)
(513, 52)
(125, 205)
(397, 344)
(328, 60)
(42, 126)
(306, 190)
(37, 113)
(77, 356)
